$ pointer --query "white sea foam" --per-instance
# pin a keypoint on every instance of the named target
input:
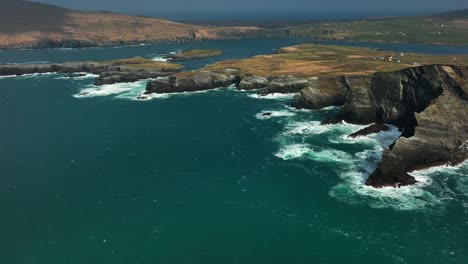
(330, 108)
(413, 197)
(331, 155)
(315, 127)
(430, 192)
(353, 188)
(301, 128)
(30, 75)
(83, 76)
(161, 59)
(453, 170)
(273, 96)
(293, 151)
(266, 114)
(112, 89)
(354, 169)
(131, 91)
(384, 138)
(8, 76)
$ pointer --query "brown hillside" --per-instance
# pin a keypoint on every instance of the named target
(28, 24)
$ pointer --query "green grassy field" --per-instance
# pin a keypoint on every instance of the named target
(143, 63)
(432, 30)
(196, 54)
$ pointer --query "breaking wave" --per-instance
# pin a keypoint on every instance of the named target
(273, 96)
(160, 59)
(124, 90)
(131, 91)
(308, 151)
(29, 75)
(310, 140)
(267, 114)
(78, 76)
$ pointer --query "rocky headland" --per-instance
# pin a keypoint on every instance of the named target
(429, 104)
(207, 80)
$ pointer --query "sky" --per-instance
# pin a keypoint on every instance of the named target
(264, 9)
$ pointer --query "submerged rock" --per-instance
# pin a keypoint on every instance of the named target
(372, 129)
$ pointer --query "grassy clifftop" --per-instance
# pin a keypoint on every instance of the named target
(324, 60)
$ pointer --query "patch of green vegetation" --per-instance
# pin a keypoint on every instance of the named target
(140, 62)
(431, 30)
(196, 54)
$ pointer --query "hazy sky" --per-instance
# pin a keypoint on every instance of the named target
(199, 9)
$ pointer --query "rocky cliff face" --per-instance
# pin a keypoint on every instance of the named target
(429, 103)
(199, 81)
(323, 92)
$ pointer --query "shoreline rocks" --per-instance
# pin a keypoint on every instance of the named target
(199, 81)
(108, 74)
(206, 80)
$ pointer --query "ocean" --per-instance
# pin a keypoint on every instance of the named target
(205, 177)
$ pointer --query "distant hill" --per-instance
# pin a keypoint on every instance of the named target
(31, 24)
(462, 13)
(21, 16)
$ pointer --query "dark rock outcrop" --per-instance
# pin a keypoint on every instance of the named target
(206, 80)
(323, 92)
(127, 75)
(199, 81)
(253, 83)
(430, 105)
(285, 84)
(372, 129)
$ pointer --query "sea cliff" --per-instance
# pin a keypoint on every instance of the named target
(429, 104)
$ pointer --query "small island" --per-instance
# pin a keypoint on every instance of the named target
(195, 54)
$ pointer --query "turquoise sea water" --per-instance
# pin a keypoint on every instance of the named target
(204, 177)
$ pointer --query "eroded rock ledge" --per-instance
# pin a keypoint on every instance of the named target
(429, 104)
(206, 80)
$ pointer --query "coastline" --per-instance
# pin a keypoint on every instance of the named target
(73, 44)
